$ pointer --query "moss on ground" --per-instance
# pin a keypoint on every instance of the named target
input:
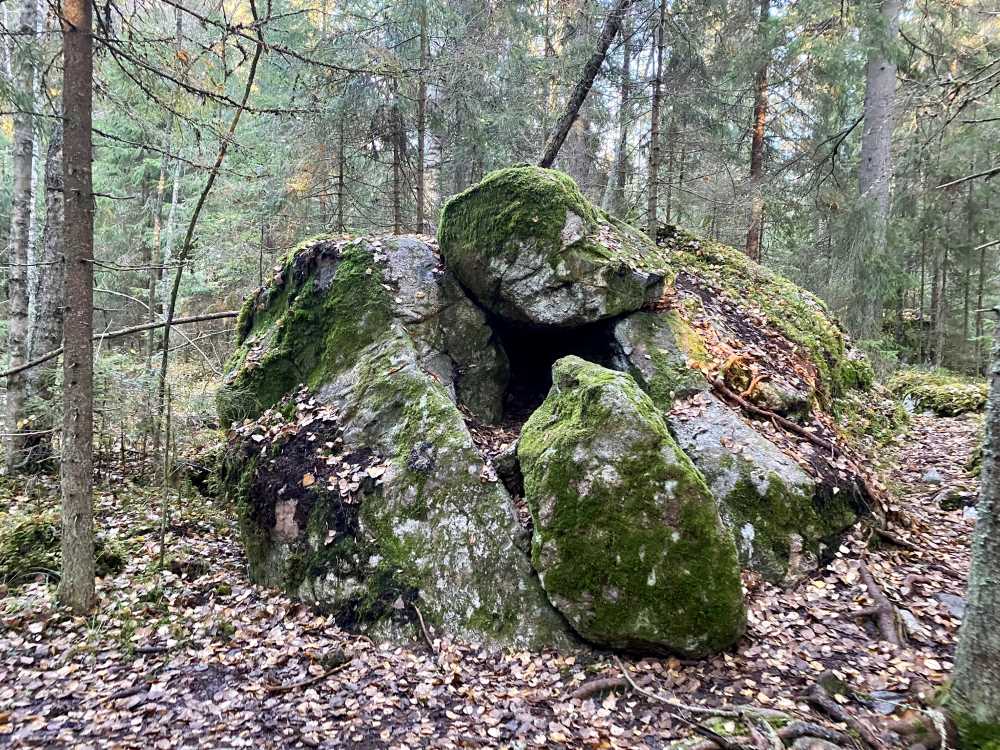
(30, 546)
(655, 505)
(945, 393)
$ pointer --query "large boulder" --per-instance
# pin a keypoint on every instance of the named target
(530, 248)
(363, 491)
(627, 539)
(331, 297)
(373, 413)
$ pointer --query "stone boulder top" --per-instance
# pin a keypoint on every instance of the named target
(529, 246)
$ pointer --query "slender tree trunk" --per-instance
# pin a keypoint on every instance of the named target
(653, 185)
(20, 229)
(974, 698)
(47, 305)
(76, 585)
(612, 25)
(671, 145)
(341, 164)
(156, 272)
(980, 288)
(397, 158)
(156, 250)
(875, 170)
(940, 312)
(422, 116)
(624, 111)
(757, 143)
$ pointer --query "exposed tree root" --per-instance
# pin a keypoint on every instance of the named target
(822, 701)
(884, 613)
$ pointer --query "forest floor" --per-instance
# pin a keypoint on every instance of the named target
(200, 657)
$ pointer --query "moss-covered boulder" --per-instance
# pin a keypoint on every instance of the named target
(627, 538)
(775, 509)
(944, 393)
(362, 492)
(662, 352)
(530, 248)
(332, 297)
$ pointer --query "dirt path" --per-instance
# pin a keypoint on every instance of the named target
(216, 662)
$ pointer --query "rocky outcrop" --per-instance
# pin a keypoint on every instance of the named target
(373, 416)
(364, 494)
(530, 248)
(627, 538)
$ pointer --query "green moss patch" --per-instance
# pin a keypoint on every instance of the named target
(325, 304)
(30, 546)
(628, 541)
(945, 393)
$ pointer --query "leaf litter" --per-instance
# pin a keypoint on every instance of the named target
(198, 656)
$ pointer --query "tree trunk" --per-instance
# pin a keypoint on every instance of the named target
(617, 203)
(941, 310)
(757, 143)
(974, 698)
(397, 167)
(421, 116)
(76, 585)
(875, 170)
(20, 227)
(612, 25)
(47, 307)
(653, 185)
(341, 163)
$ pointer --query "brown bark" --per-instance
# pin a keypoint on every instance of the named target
(20, 229)
(76, 585)
(757, 147)
(653, 184)
(612, 25)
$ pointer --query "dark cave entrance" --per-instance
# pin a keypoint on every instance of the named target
(532, 350)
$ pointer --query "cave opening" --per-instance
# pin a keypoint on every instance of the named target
(532, 350)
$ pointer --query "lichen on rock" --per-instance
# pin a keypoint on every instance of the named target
(627, 539)
(772, 505)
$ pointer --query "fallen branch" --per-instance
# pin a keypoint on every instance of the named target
(883, 612)
(807, 729)
(821, 700)
(602, 685)
(118, 334)
(784, 423)
(787, 425)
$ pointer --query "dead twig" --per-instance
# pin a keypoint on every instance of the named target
(423, 629)
(893, 538)
(695, 727)
(807, 729)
